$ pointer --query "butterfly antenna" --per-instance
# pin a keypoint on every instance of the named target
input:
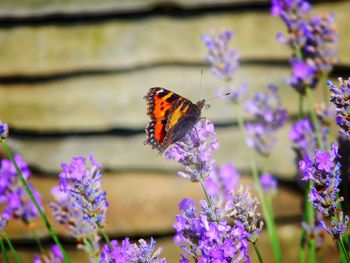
(220, 96)
(200, 85)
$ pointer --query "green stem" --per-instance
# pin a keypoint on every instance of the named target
(205, 192)
(4, 252)
(37, 239)
(310, 217)
(31, 196)
(13, 251)
(302, 246)
(270, 223)
(91, 249)
(105, 236)
(301, 106)
(258, 252)
(315, 122)
(344, 252)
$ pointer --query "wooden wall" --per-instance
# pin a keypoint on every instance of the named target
(72, 78)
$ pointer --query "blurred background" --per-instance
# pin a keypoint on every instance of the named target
(73, 74)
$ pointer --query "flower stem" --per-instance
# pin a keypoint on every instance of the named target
(257, 252)
(205, 192)
(301, 106)
(270, 223)
(4, 252)
(13, 251)
(36, 204)
(105, 236)
(343, 250)
(37, 239)
(315, 122)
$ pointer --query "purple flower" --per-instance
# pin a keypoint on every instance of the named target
(4, 218)
(12, 192)
(208, 240)
(83, 186)
(303, 75)
(315, 231)
(324, 172)
(66, 212)
(312, 40)
(303, 137)
(222, 181)
(269, 116)
(55, 256)
(242, 208)
(268, 183)
(194, 151)
(131, 253)
(340, 97)
(4, 130)
(223, 60)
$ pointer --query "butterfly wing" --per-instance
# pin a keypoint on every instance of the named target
(172, 116)
(160, 103)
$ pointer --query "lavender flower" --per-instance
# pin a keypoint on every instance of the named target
(71, 216)
(4, 130)
(83, 186)
(269, 116)
(55, 256)
(207, 240)
(340, 97)
(315, 231)
(194, 151)
(268, 183)
(303, 136)
(4, 219)
(312, 40)
(324, 172)
(131, 253)
(222, 181)
(223, 60)
(242, 208)
(12, 192)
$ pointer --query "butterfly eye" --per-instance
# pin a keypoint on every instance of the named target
(207, 107)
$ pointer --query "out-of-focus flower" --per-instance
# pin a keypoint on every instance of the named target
(243, 208)
(223, 60)
(315, 231)
(4, 218)
(341, 99)
(55, 256)
(209, 240)
(222, 181)
(71, 216)
(303, 136)
(83, 187)
(269, 116)
(268, 183)
(313, 41)
(324, 172)
(12, 192)
(194, 151)
(131, 253)
(4, 130)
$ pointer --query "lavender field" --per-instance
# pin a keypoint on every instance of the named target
(174, 131)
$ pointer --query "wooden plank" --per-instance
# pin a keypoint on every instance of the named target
(135, 198)
(103, 102)
(127, 43)
(33, 8)
(118, 153)
(288, 236)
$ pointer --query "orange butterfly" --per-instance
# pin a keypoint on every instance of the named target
(172, 116)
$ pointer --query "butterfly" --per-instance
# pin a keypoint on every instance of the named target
(172, 116)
